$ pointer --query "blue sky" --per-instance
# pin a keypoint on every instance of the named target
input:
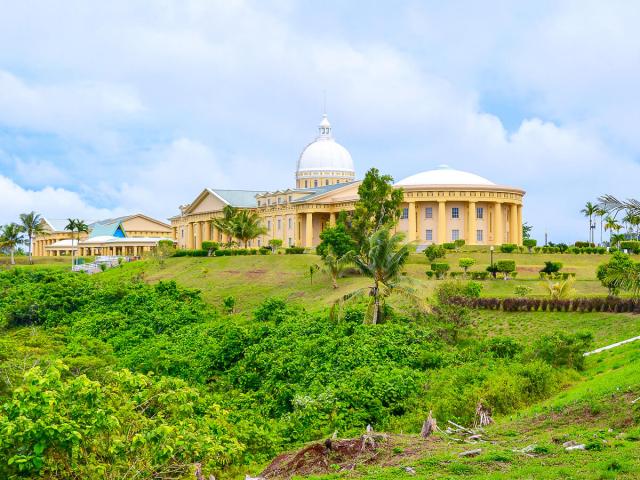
(119, 107)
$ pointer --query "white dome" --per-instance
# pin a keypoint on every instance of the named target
(325, 154)
(444, 175)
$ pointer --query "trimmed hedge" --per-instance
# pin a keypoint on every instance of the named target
(508, 247)
(449, 246)
(210, 246)
(191, 253)
(583, 305)
(233, 252)
(630, 245)
(294, 250)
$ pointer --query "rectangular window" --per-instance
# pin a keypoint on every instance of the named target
(479, 235)
(429, 235)
(269, 225)
(480, 212)
(405, 213)
(279, 224)
(428, 212)
(455, 235)
(290, 198)
(290, 242)
(455, 212)
(258, 242)
(258, 202)
(290, 223)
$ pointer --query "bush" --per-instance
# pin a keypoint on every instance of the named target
(294, 250)
(506, 267)
(433, 252)
(530, 243)
(337, 239)
(631, 246)
(563, 349)
(479, 275)
(264, 250)
(508, 247)
(456, 289)
(449, 246)
(191, 253)
(583, 244)
(465, 263)
(210, 246)
(459, 243)
(440, 269)
(551, 267)
(522, 290)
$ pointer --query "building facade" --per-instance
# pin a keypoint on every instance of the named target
(132, 235)
(440, 205)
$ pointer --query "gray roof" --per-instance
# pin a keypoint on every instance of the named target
(316, 192)
(58, 224)
(238, 198)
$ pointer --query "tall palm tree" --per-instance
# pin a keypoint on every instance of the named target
(334, 264)
(382, 260)
(10, 238)
(612, 205)
(75, 225)
(601, 213)
(245, 226)
(589, 210)
(32, 225)
(612, 225)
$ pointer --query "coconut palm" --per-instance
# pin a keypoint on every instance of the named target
(225, 223)
(558, 290)
(623, 275)
(75, 225)
(32, 225)
(381, 259)
(589, 210)
(10, 238)
(616, 238)
(612, 205)
(612, 225)
(245, 226)
(334, 264)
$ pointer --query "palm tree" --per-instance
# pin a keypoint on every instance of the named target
(32, 225)
(624, 276)
(334, 264)
(558, 290)
(589, 210)
(75, 225)
(246, 226)
(612, 225)
(225, 223)
(601, 213)
(382, 259)
(612, 205)
(11, 237)
(616, 238)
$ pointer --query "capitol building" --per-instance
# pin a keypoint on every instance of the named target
(440, 205)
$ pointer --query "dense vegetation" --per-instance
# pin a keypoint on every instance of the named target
(101, 375)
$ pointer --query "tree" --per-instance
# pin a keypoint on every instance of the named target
(526, 231)
(506, 267)
(162, 251)
(75, 225)
(530, 243)
(433, 252)
(225, 223)
(377, 208)
(275, 244)
(334, 264)
(247, 226)
(601, 212)
(612, 225)
(589, 210)
(612, 205)
(336, 239)
(558, 290)
(383, 259)
(465, 263)
(621, 273)
(10, 238)
(32, 226)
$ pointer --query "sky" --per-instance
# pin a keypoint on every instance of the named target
(120, 107)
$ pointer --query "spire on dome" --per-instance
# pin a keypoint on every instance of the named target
(325, 127)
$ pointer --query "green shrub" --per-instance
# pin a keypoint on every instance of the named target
(454, 289)
(440, 269)
(433, 252)
(522, 290)
(583, 244)
(551, 267)
(449, 246)
(337, 239)
(265, 250)
(210, 246)
(632, 246)
(529, 243)
(191, 253)
(459, 243)
(479, 275)
(503, 347)
(508, 247)
(294, 250)
(465, 263)
(506, 267)
(563, 349)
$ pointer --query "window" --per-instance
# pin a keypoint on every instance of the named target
(455, 212)
(429, 235)
(428, 212)
(290, 242)
(258, 202)
(290, 198)
(455, 235)
(269, 225)
(405, 213)
(479, 235)
(306, 184)
(182, 232)
(315, 183)
(258, 242)
(479, 212)
(279, 224)
(290, 223)
(326, 182)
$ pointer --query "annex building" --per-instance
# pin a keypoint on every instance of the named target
(132, 235)
(440, 205)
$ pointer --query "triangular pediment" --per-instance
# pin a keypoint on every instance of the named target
(207, 201)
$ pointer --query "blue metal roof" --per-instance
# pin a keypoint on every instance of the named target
(316, 192)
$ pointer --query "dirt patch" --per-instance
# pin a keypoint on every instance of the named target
(256, 273)
(333, 456)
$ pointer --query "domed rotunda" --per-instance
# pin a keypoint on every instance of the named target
(324, 161)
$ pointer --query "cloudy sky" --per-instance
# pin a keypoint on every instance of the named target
(121, 107)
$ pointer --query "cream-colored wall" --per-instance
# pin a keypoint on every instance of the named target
(139, 226)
